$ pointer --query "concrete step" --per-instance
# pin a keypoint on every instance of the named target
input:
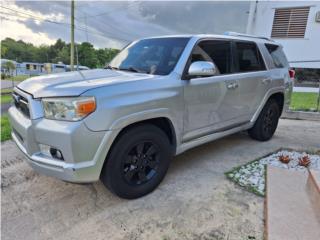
(313, 188)
(290, 214)
(315, 175)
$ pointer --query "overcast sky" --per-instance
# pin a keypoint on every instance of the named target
(114, 24)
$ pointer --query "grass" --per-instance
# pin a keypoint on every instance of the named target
(18, 78)
(5, 128)
(231, 175)
(304, 101)
(6, 91)
(6, 98)
(251, 189)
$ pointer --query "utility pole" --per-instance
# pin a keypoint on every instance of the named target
(85, 22)
(72, 37)
(77, 57)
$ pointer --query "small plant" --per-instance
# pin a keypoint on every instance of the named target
(304, 161)
(284, 159)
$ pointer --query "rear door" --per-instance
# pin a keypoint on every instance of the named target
(253, 78)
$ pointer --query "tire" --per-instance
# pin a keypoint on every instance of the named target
(138, 161)
(267, 122)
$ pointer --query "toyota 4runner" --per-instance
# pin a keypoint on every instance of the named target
(157, 98)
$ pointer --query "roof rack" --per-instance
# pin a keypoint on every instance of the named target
(246, 35)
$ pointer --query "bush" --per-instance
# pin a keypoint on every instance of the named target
(307, 74)
(4, 76)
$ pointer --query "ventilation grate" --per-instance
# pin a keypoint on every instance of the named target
(290, 22)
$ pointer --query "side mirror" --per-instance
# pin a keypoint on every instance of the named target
(202, 68)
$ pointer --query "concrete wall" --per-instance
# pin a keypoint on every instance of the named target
(306, 50)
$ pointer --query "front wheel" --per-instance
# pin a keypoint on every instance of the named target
(138, 162)
(267, 122)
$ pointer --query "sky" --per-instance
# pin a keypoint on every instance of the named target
(116, 23)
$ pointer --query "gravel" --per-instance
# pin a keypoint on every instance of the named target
(252, 175)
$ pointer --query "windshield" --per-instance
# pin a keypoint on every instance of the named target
(154, 56)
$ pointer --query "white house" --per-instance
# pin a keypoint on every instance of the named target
(294, 24)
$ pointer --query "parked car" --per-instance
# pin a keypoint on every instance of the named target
(157, 98)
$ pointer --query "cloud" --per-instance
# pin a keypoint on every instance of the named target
(114, 24)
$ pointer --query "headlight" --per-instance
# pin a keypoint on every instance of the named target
(68, 108)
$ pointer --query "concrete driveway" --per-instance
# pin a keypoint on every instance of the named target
(195, 200)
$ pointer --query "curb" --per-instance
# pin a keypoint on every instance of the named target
(301, 115)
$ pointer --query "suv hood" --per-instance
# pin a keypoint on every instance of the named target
(77, 82)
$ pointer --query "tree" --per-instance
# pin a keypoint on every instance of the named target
(9, 67)
(87, 55)
(105, 56)
(4, 51)
(63, 55)
(21, 51)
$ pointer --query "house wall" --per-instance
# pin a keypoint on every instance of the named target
(301, 52)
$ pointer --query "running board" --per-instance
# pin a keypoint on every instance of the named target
(208, 138)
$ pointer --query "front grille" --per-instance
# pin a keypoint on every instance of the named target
(21, 104)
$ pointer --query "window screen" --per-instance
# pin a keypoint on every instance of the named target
(248, 57)
(290, 22)
(278, 57)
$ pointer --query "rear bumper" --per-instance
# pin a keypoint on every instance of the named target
(83, 150)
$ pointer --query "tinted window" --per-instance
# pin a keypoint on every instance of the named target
(217, 52)
(155, 56)
(278, 57)
(248, 57)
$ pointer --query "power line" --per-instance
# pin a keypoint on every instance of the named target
(99, 14)
(30, 16)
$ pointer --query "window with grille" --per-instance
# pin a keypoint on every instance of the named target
(290, 22)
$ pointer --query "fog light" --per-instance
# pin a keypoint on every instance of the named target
(55, 153)
(50, 151)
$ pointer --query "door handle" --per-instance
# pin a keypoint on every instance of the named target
(266, 81)
(232, 85)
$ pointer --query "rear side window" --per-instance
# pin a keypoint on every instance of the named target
(277, 55)
(215, 51)
(248, 57)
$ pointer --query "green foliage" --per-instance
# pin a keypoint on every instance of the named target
(18, 78)
(87, 55)
(306, 74)
(5, 98)
(9, 66)
(58, 52)
(5, 128)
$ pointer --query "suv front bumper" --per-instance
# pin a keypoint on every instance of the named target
(83, 150)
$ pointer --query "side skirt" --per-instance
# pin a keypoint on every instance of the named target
(208, 138)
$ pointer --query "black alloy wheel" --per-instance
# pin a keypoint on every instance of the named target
(142, 163)
(267, 122)
(137, 161)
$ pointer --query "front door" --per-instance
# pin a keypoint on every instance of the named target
(211, 103)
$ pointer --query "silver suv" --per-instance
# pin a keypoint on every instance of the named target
(157, 98)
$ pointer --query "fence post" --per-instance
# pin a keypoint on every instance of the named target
(318, 102)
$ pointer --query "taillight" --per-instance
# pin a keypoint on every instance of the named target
(291, 73)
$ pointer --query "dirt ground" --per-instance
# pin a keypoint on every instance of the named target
(195, 200)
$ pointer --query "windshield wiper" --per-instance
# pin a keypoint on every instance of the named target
(131, 69)
(112, 68)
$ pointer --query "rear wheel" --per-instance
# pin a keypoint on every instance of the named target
(138, 162)
(267, 122)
